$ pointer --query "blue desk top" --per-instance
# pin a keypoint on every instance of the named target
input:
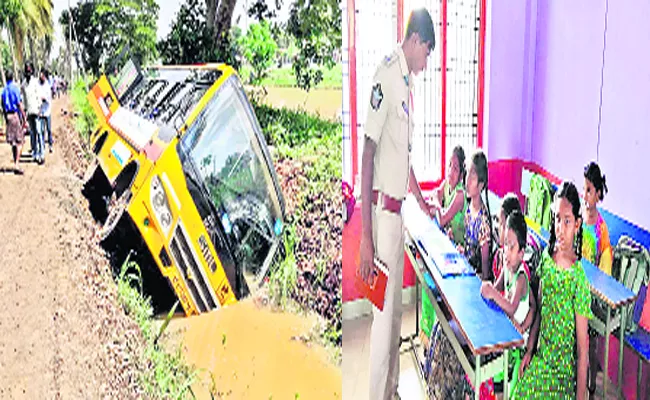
(640, 342)
(484, 325)
(608, 289)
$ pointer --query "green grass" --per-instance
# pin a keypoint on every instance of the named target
(282, 280)
(317, 144)
(301, 136)
(86, 120)
(162, 375)
(322, 157)
(332, 77)
(284, 77)
(293, 128)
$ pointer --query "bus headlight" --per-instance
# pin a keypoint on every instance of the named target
(160, 205)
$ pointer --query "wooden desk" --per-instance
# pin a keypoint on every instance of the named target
(482, 325)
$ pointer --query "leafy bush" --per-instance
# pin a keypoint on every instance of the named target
(285, 77)
(282, 280)
(308, 161)
(258, 48)
(292, 128)
(192, 41)
(86, 120)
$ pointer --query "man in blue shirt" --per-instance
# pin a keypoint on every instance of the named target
(16, 121)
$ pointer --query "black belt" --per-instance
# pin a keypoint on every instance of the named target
(11, 112)
(389, 203)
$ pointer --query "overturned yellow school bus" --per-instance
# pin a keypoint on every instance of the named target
(182, 173)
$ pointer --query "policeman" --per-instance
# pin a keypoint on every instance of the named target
(15, 118)
(386, 176)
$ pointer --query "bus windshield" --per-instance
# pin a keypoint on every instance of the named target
(224, 151)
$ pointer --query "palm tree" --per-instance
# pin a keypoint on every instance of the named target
(32, 23)
(2, 68)
(9, 10)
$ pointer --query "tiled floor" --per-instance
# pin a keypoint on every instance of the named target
(356, 355)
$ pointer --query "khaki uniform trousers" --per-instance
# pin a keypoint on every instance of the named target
(388, 238)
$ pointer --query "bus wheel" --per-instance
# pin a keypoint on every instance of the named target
(90, 173)
(95, 189)
(116, 211)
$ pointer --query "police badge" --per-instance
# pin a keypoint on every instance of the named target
(376, 97)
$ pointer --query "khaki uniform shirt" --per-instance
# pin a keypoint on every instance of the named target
(390, 125)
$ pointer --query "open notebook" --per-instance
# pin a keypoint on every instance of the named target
(442, 252)
(433, 241)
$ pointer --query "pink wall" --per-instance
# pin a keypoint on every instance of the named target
(546, 63)
(624, 137)
(567, 92)
(505, 78)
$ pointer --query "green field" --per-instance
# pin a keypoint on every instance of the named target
(326, 103)
(283, 77)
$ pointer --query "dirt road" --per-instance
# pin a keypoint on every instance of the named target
(62, 334)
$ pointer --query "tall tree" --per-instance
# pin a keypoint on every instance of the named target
(33, 22)
(259, 49)
(219, 20)
(316, 25)
(9, 10)
(88, 26)
(105, 27)
(5, 59)
(131, 23)
(191, 39)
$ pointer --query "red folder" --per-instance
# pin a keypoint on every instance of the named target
(376, 290)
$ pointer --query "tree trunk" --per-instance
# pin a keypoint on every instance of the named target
(211, 7)
(10, 33)
(13, 59)
(32, 55)
(2, 70)
(223, 20)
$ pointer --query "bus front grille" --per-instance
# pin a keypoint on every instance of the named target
(190, 270)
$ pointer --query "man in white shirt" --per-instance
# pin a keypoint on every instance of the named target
(45, 115)
(33, 111)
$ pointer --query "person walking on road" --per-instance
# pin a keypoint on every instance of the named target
(45, 115)
(15, 119)
(33, 111)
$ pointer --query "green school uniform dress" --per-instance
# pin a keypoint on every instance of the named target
(552, 372)
(457, 223)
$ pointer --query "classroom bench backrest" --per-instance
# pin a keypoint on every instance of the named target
(539, 201)
(618, 227)
(630, 267)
